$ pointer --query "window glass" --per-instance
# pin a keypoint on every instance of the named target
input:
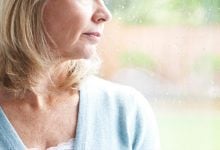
(170, 51)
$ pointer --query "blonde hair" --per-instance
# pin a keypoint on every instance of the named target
(25, 54)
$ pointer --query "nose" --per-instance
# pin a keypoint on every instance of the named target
(101, 14)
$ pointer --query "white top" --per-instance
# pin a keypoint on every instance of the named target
(62, 146)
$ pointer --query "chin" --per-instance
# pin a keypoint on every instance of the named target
(85, 52)
(88, 52)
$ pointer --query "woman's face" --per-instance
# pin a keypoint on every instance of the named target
(75, 26)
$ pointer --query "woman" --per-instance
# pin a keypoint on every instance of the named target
(48, 97)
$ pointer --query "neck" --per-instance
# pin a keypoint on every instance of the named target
(50, 78)
(39, 101)
(45, 93)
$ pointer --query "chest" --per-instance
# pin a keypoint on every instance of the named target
(44, 128)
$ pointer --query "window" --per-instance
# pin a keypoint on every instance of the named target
(169, 50)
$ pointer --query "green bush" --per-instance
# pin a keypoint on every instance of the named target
(208, 62)
(137, 59)
(166, 12)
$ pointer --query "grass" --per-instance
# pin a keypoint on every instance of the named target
(192, 131)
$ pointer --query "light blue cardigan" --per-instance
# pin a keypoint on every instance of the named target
(111, 117)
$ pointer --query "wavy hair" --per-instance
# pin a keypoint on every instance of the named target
(25, 55)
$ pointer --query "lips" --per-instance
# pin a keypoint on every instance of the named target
(94, 37)
(97, 34)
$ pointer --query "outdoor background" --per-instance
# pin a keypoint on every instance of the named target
(170, 51)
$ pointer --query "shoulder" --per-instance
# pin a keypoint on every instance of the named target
(107, 91)
(111, 92)
(127, 109)
(96, 84)
(124, 100)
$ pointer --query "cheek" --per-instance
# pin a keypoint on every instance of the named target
(65, 29)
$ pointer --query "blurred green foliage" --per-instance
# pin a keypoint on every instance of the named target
(137, 59)
(194, 12)
(208, 62)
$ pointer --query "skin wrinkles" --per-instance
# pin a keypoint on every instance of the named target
(66, 22)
